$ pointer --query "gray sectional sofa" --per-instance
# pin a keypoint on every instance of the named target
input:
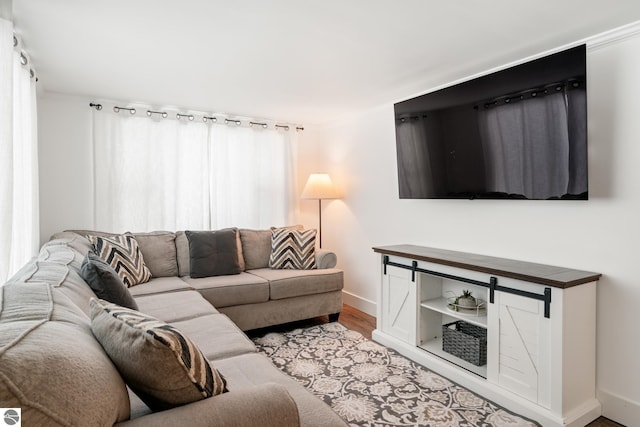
(55, 370)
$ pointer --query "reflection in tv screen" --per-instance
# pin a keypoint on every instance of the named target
(519, 133)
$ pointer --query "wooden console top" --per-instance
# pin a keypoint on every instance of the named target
(559, 277)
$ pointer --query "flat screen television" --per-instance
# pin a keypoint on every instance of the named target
(518, 133)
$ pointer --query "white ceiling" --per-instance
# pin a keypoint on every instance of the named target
(302, 61)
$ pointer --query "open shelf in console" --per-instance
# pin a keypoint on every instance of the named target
(434, 294)
(441, 305)
(434, 346)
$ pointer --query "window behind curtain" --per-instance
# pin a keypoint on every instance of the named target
(166, 174)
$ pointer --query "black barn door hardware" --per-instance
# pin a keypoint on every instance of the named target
(492, 285)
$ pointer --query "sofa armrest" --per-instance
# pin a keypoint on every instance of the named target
(326, 259)
(263, 405)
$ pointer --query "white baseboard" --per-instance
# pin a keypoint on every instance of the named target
(618, 408)
(584, 414)
(360, 303)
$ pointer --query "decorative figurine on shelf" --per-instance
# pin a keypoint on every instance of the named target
(466, 300)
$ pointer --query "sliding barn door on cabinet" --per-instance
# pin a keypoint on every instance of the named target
(399, 304)
(523, 347)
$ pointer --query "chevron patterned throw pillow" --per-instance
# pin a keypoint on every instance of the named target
(160, 364)
(124, 256)
(293, 249)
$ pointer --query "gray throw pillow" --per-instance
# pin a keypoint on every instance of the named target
(160, 364)
(104, 281)
(213, 253)
(256, 248)
(159, 251)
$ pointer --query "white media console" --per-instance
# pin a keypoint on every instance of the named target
(540, 323)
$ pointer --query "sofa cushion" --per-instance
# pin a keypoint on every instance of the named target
(159, 252)
(51, 365)
(279, 311)
(293, 249)
(182, 249)
(160, 363)
(123, 254)
(160, 285)
(256, 247)
(294, 283)
(216, 336)
(213, 253)
(270, 405)
(248, 370)
(105, 281)
(174, 306)
(222, 291)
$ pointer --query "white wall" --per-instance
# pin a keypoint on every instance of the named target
(601, 235)
(65, 159)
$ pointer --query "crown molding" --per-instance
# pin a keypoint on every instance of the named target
(613, 36)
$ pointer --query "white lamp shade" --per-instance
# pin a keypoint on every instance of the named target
(319, 186)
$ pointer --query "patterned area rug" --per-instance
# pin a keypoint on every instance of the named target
(368, 384)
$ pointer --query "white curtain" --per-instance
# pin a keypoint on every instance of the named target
(149, 174)
(168, 174)
(19, 222)
(252, 177)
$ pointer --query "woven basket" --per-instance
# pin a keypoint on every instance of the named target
(466, 341)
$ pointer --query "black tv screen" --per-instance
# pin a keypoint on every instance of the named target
(519, 133)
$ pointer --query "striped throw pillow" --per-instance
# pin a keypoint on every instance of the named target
(293, 249)
(123, 255)
(160, 364)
